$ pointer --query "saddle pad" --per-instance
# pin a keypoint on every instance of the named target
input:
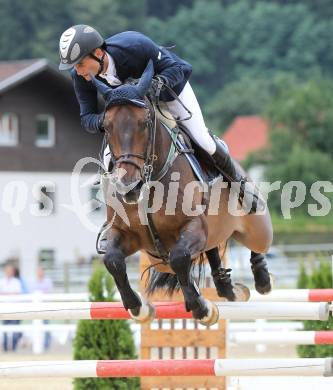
(166, 118)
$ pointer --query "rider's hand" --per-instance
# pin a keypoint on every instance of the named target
(157, 84)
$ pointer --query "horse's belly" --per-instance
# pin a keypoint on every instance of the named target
(221, 226)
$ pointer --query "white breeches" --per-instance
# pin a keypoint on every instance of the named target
(195, 125)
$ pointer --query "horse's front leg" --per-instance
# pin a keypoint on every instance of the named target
(191, 241)
(114, 260)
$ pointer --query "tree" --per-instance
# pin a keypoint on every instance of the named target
(247, 96)
(110, 17)
(306, 112)
(29, 29)
(104, 339)
(197, 32)
(301, 138)
(322, 9)
(295, 162)
(265, 37)
(319, 277)
(164, 9)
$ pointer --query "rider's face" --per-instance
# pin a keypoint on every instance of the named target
(86, 67)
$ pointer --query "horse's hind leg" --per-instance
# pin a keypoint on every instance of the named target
(191, 241)
(262, 278)
(257, 235)
(221, 276)
(114, 260)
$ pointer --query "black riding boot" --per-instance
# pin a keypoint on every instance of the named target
(247, 197)
(260, 272)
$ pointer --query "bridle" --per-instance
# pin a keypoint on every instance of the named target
(148, 156)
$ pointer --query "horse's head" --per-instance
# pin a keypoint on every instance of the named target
(129, 130)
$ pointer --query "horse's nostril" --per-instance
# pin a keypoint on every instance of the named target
(137, 187)
(132, 196)
(125, 188)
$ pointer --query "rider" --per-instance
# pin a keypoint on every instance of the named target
(85, 53)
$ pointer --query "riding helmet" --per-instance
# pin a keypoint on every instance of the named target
(77, 42)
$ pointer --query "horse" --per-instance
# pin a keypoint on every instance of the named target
(145, 151)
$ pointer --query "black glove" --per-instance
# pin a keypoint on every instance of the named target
(157, 85)
(100, 122)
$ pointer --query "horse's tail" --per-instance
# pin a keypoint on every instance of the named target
(169, 282)
(162, 281)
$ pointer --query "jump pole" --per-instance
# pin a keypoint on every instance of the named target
(294, 295)
(141, 368)
(282, 295)
(164, 310)
(283, 337)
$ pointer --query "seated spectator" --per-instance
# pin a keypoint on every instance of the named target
(9, 285)
(24, 286)
(43, 284)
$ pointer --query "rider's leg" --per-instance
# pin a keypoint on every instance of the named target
(196, 124)
(215, 147)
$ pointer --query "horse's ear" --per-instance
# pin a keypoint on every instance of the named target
(101, 87)
(146, 78)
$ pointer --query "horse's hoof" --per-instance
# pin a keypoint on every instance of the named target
(229, 296)
(146, 313)
(213, 314)
(223, 284)
(242, 293)
(264, 290)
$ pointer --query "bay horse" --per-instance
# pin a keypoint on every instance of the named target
(141, 149)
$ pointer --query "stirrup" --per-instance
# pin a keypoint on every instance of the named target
(224, 163)
(101, 240)
(252, 197)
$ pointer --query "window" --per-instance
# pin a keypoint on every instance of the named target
(46, 257)
(8, 129)
(45, 131)
(46, 200)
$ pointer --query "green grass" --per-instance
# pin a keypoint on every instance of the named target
(302, 223)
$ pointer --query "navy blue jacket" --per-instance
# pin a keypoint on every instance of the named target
(131, 52)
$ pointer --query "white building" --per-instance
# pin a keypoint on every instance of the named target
(41, 140)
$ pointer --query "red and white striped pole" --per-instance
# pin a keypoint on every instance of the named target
(140, 368)
(164, 310)
(294, 295)
(283, 337)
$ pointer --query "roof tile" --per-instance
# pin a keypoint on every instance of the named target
(246, 134)
(10, 68)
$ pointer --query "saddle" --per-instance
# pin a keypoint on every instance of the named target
(199, 160)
